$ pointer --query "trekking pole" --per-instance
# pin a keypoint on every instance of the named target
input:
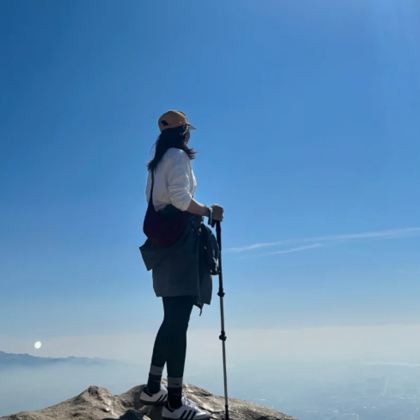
(222, 336)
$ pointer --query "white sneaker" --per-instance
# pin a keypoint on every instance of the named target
(158, 398)
(187, 411)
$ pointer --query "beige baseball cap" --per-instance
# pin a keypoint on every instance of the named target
(172, 119)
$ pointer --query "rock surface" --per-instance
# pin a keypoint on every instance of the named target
(96, 403)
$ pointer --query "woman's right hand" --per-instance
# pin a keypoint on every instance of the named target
(217, 212)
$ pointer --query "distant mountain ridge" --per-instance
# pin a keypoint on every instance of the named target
(27, 360)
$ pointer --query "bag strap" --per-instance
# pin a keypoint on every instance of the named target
(151, 192)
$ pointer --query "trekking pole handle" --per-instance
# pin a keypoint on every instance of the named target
(219, 234)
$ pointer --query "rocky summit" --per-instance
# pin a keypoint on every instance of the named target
(97, 403)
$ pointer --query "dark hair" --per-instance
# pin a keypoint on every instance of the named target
(170, 137)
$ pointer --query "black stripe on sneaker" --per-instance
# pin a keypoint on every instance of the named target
(192, 415)
(184, 415)
(160, 398)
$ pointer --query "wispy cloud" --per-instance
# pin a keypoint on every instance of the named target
(256, 246)
(296, 249)
(382, 234)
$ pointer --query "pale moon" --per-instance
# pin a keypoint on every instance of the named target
(37, 345)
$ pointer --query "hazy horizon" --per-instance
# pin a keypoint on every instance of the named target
(307, 390)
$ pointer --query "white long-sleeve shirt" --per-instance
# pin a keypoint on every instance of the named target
(174, 181)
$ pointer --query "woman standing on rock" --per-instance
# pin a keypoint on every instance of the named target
(179, 276)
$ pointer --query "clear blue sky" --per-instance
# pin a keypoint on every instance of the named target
(307, 117)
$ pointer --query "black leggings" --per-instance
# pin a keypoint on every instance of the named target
(171, 339)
